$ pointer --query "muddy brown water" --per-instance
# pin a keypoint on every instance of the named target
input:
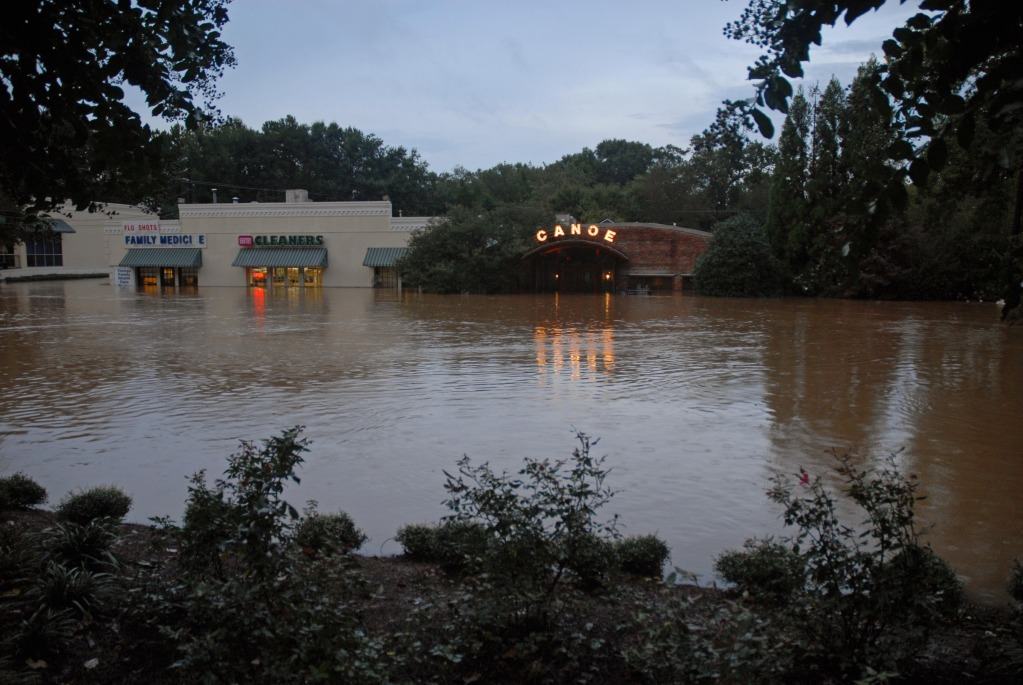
(697, 402)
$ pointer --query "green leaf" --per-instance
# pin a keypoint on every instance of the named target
(891, 48)
(937, 154)
(919, 21)
(919, 170)
(900, 149)
(763, 123)
(965, 129)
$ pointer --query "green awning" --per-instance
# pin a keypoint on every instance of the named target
(281, 256)
(60, 226)
(163, 256)
(383, 256)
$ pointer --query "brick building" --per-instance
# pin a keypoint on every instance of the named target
(610, 257)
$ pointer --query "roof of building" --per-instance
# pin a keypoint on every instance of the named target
(681, 229)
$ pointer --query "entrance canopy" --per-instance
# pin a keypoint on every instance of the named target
(158, 256)
(60, 226)
(561, 244)
(383, 256)
(281, 256)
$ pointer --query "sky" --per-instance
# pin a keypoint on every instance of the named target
(477, 82)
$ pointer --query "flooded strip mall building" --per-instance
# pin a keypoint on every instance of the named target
(295, 243)
(302, 244)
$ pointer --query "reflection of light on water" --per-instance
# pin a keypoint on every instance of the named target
(608, 348)
(259, 303)
(591, 352)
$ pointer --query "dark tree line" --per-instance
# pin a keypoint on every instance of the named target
(721, 172)
(950, 84)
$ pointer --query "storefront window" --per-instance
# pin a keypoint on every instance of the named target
(189, 277)
(167, 277)
(385, 277)
(278, 275)
(257, 276)
(294, 276)
(313, 276)
(48, 252)
(148, 275)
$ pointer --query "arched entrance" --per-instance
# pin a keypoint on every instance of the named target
(581, 266)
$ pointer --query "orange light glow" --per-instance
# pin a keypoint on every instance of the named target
(541, 235)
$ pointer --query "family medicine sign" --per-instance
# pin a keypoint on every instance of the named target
(591, 231)
(173, 240)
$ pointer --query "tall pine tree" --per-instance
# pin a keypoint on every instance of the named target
(787, 210)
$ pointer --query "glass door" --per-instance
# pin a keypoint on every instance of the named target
(313, 276)
(167, 277)
(257, 276)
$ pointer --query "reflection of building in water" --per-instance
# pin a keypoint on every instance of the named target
(561, 350)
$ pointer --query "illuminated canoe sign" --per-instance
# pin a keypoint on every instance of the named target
(591, 231)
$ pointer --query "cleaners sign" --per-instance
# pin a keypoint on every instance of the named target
(172, 240)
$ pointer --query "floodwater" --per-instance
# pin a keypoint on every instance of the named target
(697, 402)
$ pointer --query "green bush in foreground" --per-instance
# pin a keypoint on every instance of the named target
(763, 568)
(457, 546)
(18, 491)
(328, 533)
(75, 545)
(642, 555)
(418, 541)
(541, 524)
(873, 591)
(102, 502)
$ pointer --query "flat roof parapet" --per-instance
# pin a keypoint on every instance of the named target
(283, 209)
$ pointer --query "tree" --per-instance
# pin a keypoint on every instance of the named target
(620, 161)
(739, 262)
(472, 250)
(950, 66)
(786, 214)
(65, 129)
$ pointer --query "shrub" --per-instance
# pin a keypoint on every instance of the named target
(540, 525)
(105, 501)
(873, 592)
(256, 609)
(328, 533)
(763, 568)
(18, 491)
(458, 546)
(1016, 581)
(44, 633)
(642, 555)
(75, 545)
(16, 554)
(60, 587)
(738, 262)
(419, 541)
